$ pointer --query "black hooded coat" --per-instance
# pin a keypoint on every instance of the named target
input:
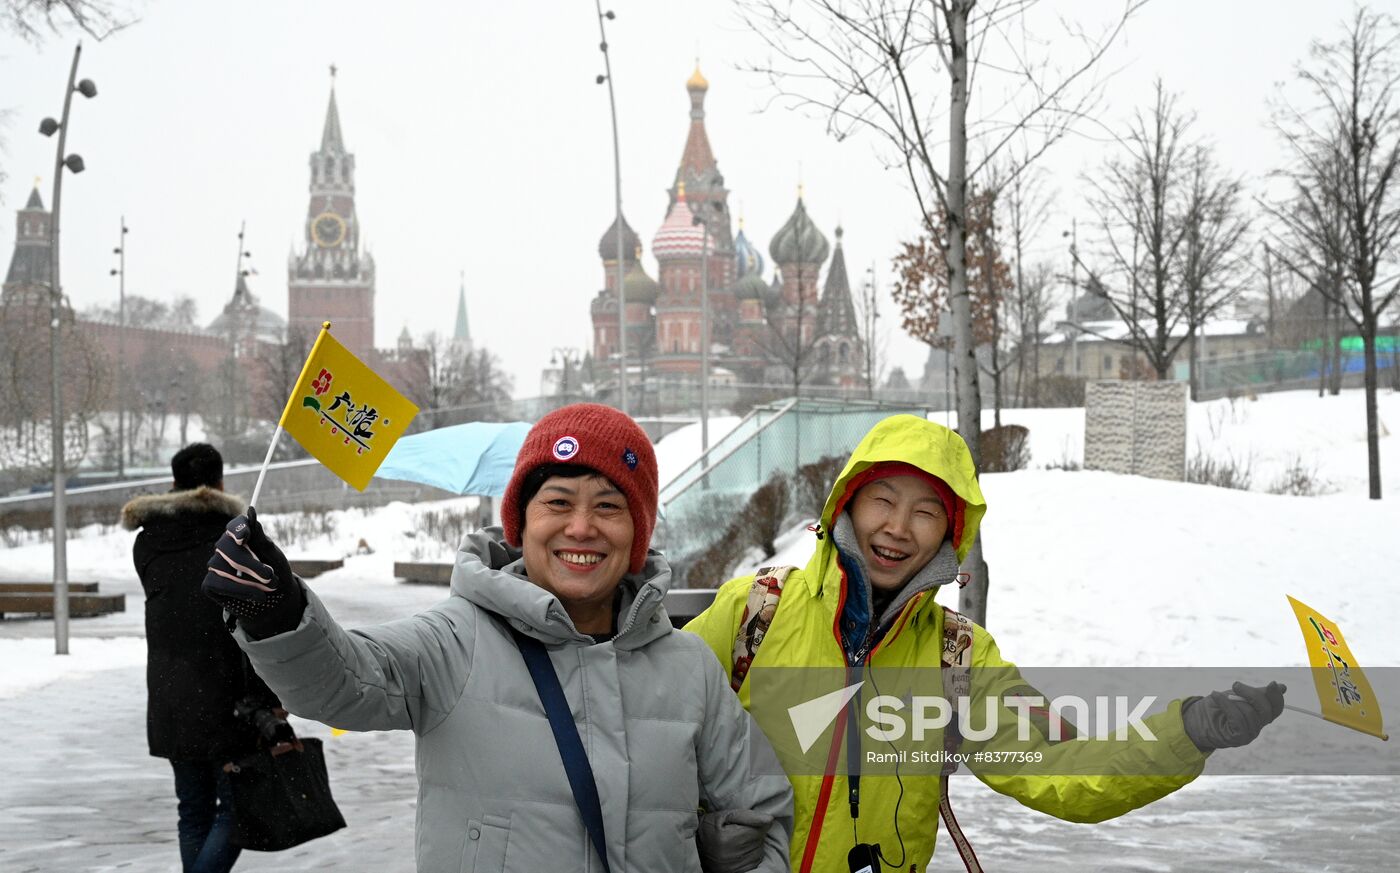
(195, 672)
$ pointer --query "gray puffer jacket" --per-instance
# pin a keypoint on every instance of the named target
(662, 730)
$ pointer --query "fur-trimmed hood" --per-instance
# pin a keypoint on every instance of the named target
(149, 507)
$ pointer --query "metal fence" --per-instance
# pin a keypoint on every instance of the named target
(1287, 370)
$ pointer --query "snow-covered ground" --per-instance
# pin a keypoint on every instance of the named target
(1270, 434)
(1087, 569)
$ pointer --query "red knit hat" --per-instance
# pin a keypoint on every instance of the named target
(603, 439)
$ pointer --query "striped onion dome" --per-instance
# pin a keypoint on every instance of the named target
(679, 236)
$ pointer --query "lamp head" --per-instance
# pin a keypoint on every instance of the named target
(87, 88)
(74, 163)
(48, 127)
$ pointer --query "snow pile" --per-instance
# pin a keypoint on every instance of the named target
(1092, 569)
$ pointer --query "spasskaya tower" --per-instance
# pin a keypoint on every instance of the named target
(332, 278)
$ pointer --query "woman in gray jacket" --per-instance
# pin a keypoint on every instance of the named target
(661, 730)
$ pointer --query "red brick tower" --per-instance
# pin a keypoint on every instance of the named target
(332, 279)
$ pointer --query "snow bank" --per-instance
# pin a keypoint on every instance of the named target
(1092, 569)
(31, 663)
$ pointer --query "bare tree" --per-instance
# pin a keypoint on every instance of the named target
(26, 386)
(180, 314)
(455, 385)
(1214, 258)
(793, 334)
(487, 386)
(30, 19)
(1173, 234)
(281, 365)
(1028, 310)
(874, 66)
(1343, 209)
(1027, 208)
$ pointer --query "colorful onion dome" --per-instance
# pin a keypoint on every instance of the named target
(679, 235)
(751, 287)
(607, 246)
(799, 241)
(697, 82)
(747, 258)
(638, 286)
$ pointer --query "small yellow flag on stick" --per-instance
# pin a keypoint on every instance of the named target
(343, 413)
(1342, 689)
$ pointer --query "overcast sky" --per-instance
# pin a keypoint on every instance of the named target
(482, 144)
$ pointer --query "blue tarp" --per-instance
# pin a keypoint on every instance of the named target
(473, 458)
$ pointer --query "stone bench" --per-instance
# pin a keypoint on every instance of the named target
(82, 605)
(310, 568)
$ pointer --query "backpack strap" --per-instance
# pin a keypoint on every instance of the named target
(758, 615)
(561, 721)
(956, 663)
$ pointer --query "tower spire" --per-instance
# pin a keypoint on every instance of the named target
(461, 334)
(331, 139)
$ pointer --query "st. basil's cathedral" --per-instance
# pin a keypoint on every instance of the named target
(757, 326)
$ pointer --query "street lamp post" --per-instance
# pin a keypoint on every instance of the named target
(120, 272)
(74, 163)
(1072, 319)
(568, 356)
(871, 314)
(617, 208)
(701, 218)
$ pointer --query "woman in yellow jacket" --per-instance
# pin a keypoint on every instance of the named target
(897, 523)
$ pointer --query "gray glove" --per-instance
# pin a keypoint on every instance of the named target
(1223, 720)
(731, 840)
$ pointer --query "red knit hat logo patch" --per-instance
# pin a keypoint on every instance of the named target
(565, 448)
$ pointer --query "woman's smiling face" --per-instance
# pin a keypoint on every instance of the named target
(577, 542)
(900, 524)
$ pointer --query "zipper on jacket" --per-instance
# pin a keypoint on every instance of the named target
(829, 776)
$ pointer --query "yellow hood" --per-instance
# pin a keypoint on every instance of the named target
(932, 448)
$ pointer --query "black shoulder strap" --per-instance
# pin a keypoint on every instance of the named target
(566, 737)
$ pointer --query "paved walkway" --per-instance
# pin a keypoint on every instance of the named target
(80, 795)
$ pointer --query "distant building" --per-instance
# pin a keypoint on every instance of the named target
(331, 278)
(663, 317)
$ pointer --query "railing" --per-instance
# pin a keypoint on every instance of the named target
(773, 440)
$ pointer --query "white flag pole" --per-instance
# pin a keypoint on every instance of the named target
(1311, 713)
(253, 501)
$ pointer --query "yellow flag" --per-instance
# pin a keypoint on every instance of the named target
(1342, 689)
(343, 413)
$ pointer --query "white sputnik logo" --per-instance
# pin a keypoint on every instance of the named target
(811, 719)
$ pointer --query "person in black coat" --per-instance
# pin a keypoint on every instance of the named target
(196, 676)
